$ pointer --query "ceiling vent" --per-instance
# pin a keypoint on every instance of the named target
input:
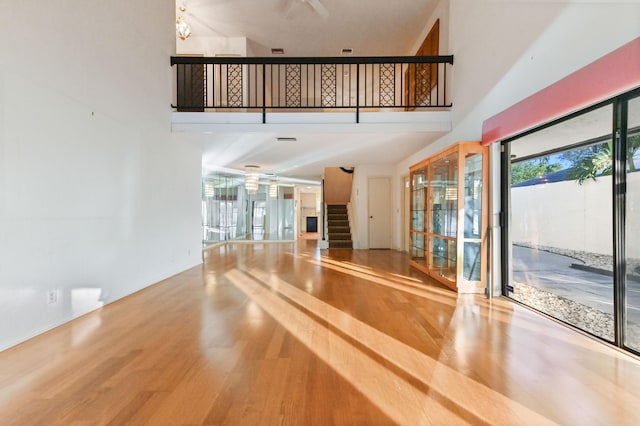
(346, 51)
(277, 51)
(289, 139)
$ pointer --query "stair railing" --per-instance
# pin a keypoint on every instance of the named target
(324, 215)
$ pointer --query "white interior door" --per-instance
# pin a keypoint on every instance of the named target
(379, 213)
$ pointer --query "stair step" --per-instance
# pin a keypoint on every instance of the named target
(348, 244)
(339, 229)
(338, 226)
(333, 221)
(337, 216)
(339, 223)
(333, 236)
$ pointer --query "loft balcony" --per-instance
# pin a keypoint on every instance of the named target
(404, 93)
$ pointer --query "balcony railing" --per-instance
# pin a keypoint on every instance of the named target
(225, 84)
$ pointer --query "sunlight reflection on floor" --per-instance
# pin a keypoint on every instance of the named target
(409, 405)
(494, 309)
(448, 297)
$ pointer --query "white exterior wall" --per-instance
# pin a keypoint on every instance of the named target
(97, 198)
(571, 216)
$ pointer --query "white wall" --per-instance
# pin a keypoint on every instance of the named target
(506, 50)
(97, 198)
(564, 215)
(212, 46)
(571, 216)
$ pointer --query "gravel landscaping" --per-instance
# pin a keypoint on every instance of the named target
(592, 320)
(584, 317)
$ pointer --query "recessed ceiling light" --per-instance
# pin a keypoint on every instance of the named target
(286, 139)
(346, 51)
(277, 51)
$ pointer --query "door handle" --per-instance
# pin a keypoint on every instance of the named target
(370, 217)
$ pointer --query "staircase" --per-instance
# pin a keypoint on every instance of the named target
(338, 226)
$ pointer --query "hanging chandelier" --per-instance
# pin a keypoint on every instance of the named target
(273, 190)
(209, 190)
(251, 177)
(183, 29)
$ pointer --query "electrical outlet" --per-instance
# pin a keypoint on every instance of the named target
(52, 297)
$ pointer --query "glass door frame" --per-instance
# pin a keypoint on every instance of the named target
(618, 203)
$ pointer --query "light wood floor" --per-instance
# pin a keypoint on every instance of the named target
(287, 334)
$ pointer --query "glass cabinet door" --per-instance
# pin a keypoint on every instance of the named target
(472, 216)
(443, 216)
(418, 198)
(442, 257)
(443, 205)
(419, 188)
(418, 248)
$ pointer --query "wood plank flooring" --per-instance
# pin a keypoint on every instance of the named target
(288, 334)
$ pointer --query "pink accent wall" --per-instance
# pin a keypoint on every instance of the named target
(611, 75)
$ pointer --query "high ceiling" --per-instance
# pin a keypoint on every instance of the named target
(369, 27)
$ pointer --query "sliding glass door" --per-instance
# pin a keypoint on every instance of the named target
(561, 230)
(571, 192)
(632, 234)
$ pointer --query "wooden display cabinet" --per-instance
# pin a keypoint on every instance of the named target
(449, 205)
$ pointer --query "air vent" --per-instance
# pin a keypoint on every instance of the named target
(346, 51)
(287, 139)
(277, 51)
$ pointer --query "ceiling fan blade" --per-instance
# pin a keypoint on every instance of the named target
(318, 7)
